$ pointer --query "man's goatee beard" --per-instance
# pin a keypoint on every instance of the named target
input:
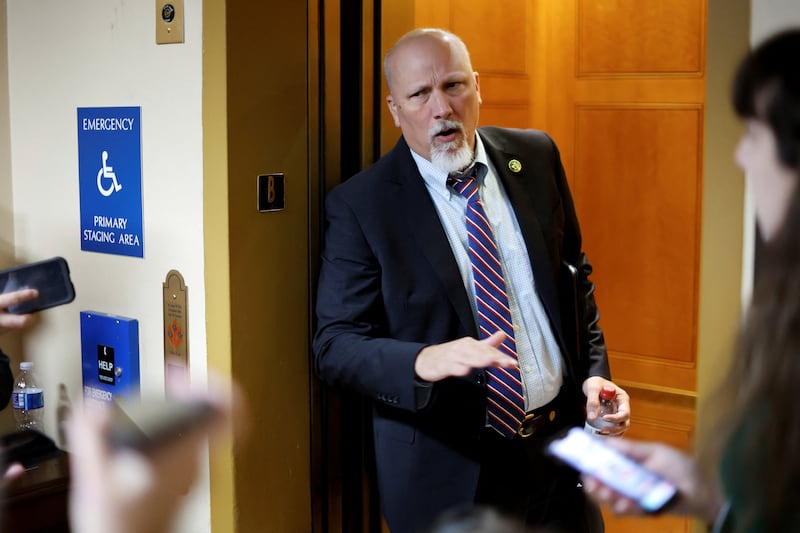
(452, 156)
(451, 161)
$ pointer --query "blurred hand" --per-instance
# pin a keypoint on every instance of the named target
(697, 496)
(13, 471)
(460, 357)
(622, 419)
(128, 491)
(10, 321)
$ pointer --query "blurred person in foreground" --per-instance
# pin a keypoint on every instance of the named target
(747, 474)
(477, 519)
(125, 490)
(121, 490)
(8, 322)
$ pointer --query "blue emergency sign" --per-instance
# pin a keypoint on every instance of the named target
(110, 175)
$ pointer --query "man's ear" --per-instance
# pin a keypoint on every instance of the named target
(478, 86)
(393, 110)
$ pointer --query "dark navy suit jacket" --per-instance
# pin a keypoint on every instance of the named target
(389, 285)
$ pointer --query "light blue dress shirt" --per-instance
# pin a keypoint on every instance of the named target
(539, 356)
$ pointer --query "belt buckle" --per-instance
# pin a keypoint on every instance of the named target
(534, 422)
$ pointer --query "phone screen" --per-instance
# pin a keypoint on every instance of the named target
(590, 455)
(49, 277)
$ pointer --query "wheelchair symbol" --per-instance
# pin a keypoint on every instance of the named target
(107, 173)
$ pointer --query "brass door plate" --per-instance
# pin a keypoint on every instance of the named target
(169, 21)
(271, 192)
(176, 328)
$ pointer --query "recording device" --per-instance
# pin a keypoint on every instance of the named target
(49, 277)
(590, 455)
(144, 425)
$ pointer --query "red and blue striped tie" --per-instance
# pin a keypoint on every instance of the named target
(506, 405)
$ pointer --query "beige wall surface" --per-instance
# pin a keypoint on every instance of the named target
(10, 341)
(770, 16)
(6, 217)
(723, 195)
(102, 53)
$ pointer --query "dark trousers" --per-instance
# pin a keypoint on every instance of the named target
(519, 479)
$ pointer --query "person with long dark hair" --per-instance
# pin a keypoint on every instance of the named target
(747, 474)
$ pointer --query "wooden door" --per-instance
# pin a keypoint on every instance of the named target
(620, 85)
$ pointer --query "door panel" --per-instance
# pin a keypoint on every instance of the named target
(640, 38)
(498, 53)
(638, 189)
(626, 107)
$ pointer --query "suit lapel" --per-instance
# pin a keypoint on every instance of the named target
(424, 225)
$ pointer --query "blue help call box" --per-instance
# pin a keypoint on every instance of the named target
(109, 356)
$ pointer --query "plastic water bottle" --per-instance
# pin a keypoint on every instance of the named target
(28, 399)
(608, 406)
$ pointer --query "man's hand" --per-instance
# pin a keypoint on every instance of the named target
(460, 357)
(10, 321)
(622, 419)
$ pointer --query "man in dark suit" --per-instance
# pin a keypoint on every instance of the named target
(398, 319)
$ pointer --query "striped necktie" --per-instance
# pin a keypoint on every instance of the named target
(506, 405)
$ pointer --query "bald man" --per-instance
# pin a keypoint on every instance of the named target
(399, 321)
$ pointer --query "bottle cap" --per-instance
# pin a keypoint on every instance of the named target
(26, 365)
(607, 394)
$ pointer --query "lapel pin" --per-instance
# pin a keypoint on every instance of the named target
(514, 165)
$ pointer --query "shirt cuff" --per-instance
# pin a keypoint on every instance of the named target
(422, 393)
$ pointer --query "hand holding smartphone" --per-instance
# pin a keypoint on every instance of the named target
(592, 456)
(50, 277)
(145, 425)
(132, 464)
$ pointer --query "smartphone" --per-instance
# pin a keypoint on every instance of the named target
(589, 454)
(144, 425)
(49, 277)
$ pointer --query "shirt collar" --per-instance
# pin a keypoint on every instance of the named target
(436, 179)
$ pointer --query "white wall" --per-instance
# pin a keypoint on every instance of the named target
(770, 16)
(93, 53)
(767, 17)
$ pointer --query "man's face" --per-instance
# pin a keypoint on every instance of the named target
(434, 100)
